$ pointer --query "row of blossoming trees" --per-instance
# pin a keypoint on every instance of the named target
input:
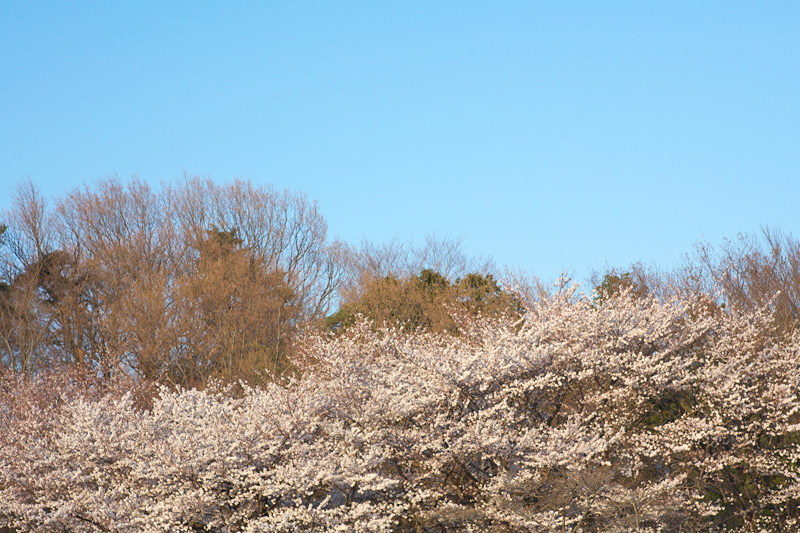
(635, 413)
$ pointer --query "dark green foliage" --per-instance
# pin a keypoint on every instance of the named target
(669, 407)
(432, 282)
(614, 283)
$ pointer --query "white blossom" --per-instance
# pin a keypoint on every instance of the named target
(637, 415)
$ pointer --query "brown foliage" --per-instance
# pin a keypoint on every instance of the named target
(195, 282)
(426, 300)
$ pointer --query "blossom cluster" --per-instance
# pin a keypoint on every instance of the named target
(639, 414)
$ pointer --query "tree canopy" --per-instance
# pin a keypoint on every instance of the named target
(193, 282)
(427, 300)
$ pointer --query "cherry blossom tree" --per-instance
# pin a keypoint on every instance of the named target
(637, 414)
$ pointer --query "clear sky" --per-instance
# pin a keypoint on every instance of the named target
(549, 134)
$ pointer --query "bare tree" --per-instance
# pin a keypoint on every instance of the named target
(195, 281)
(27, 262)
(753, 271)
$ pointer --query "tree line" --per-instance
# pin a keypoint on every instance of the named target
(198, 281)
(201, 281)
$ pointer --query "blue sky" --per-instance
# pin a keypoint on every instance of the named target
(560, 135)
